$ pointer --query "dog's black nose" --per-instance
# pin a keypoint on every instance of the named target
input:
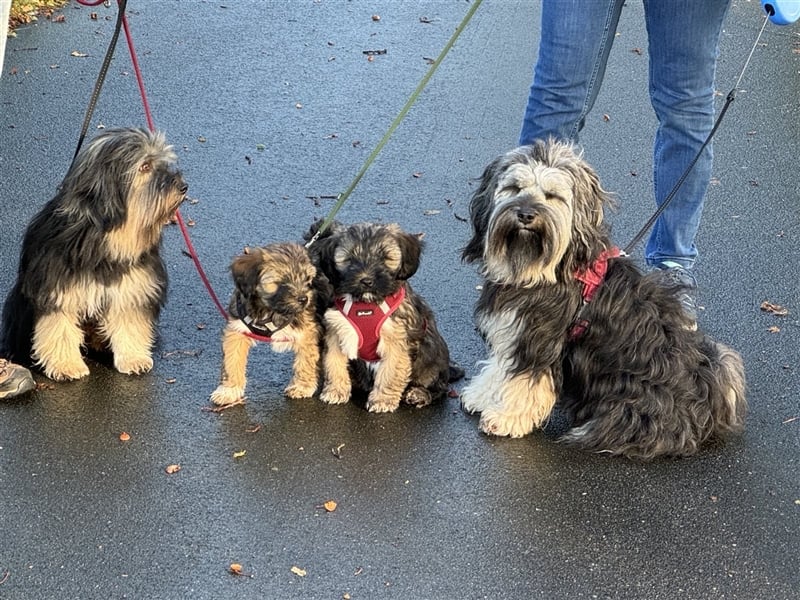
(367, 282)
(525, 216)
(303, 300)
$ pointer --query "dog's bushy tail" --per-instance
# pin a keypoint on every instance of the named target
(727, 398)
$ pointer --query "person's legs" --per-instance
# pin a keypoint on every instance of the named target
(576, 38)
(683, 46)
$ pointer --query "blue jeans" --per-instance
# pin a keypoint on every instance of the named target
(683, 44)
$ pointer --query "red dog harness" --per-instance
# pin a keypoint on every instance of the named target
(367, 318)
(591, 278)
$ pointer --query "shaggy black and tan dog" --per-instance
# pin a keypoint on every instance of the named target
(565, 317)
(379, 331)
(280, 295)
(90, 270)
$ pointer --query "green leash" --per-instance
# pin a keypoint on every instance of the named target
(342, 198)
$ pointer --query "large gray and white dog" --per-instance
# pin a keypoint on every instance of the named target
(90, 272)
(567, 320)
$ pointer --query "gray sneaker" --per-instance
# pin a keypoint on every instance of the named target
(679, 276)
(14, 380)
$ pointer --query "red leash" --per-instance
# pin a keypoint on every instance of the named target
(150, 124)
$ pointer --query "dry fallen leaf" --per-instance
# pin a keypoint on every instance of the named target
(376, 18)
(236, 569)
(330, 505)
(239, 454)
(775, 309)
(172, 469)
(78, 54)
(124, 436)
(774, 329)
(298, 571)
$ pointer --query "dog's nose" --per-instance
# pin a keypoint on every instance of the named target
(302, 300)
(367, 281)
(525, 216)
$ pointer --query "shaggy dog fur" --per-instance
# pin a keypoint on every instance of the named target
(278, 294)
(90, 270)
(368, 265)
(635, 377)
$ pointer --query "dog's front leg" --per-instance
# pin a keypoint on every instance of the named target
(235, 349)
(57, 340)
(512, 405)
(522, 404)
(130, 332)
(341, 343)
(305, 368)
(394, 370)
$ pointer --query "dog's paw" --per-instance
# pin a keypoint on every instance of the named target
(133, 365)
(334, 396)
(513, 425)
(66, 372)
(381, 403)
(471, 401)
(418, 396)
(297, 391)
(225, 395)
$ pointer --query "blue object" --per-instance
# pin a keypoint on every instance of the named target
(782, 12)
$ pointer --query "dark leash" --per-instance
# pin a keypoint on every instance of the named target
(103, 68)
(728, 101)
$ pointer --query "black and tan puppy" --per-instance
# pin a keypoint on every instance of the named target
(378, 326)
(279, 294)
(90, 270)
(567, 319)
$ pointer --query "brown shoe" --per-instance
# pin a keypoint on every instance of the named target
(14, 380)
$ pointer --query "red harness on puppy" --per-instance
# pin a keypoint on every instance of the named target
(591, 278)
(367, 318)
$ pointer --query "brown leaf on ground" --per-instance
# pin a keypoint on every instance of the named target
(124, 436)
(775, 309)
(298, 571)
(236, 569)
(171, 469)
(330, 505)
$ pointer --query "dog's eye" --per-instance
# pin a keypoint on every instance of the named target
(145, 167)
(508, 190)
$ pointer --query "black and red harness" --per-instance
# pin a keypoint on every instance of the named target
(592, 278)
(367, 318)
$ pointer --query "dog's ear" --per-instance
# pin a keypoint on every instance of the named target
(322, 255)
(411, 248)
(480, 209)
(246, 271)
(590, 200)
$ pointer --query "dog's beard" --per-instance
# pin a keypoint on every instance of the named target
(368, 284)
(526, 252)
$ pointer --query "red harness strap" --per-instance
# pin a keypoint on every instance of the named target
(367, 318)
(592, 278)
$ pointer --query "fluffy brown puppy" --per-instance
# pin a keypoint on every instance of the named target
(566, 319)
(278, 294)
(378, 325)
(90, 270)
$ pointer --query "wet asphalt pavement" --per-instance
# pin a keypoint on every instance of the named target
(273, 107)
